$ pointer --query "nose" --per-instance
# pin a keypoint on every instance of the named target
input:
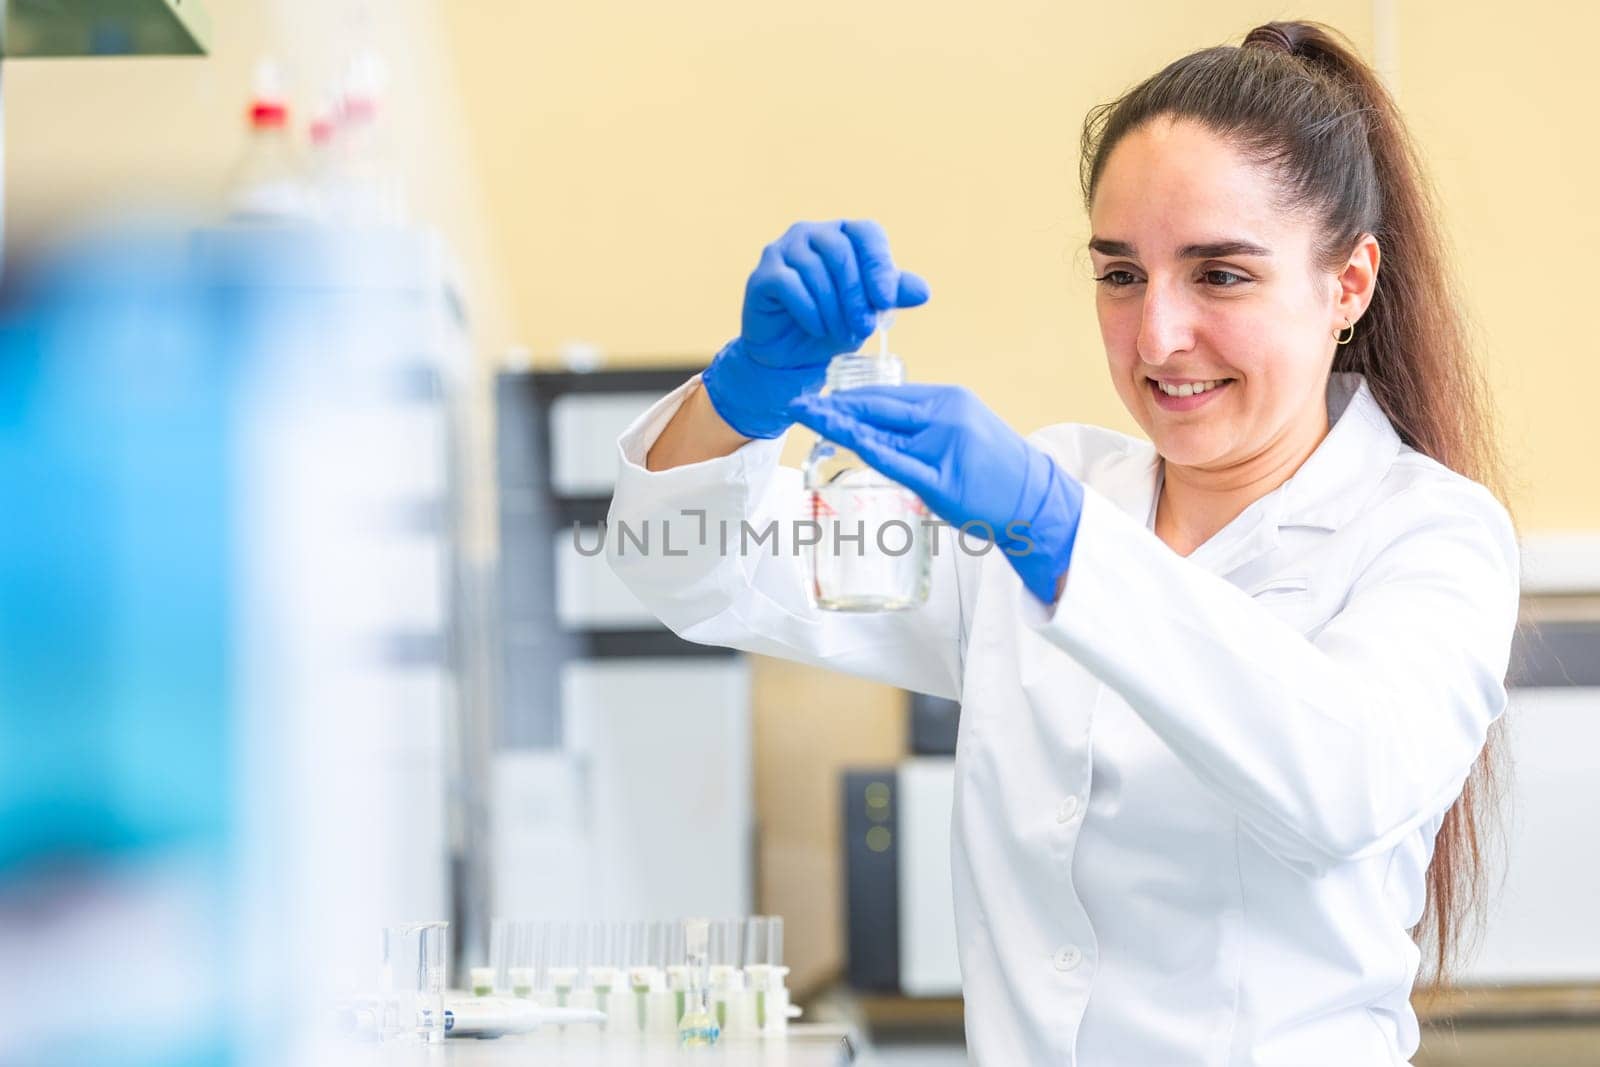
(1166, 325)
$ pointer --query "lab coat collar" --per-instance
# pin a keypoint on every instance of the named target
(1335, 482)
(1330, 487)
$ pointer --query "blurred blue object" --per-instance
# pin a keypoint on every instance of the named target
(113, 557)
(212, 448)
(115, 698)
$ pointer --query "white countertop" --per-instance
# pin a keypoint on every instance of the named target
(806, 1045)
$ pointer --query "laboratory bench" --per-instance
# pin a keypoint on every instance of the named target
(805, 1045)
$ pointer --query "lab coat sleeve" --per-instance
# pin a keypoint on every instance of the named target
(1332, 748)
(723, 564)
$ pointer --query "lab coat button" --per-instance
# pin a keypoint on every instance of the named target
(1068, 808)
(1068, 957)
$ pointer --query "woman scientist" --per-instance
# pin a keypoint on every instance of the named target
(1225, 717)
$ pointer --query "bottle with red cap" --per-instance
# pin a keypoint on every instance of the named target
(268, 182)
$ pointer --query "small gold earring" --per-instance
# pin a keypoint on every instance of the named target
(1346, 335)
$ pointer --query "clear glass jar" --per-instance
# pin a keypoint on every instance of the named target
(873, 543)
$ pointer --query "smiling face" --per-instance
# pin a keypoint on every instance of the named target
(1204, 278)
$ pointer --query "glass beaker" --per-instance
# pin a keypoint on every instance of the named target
(873, 538)
(412, 982)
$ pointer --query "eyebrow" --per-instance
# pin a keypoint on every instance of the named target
(1214, 250)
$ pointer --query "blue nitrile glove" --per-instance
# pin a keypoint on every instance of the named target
(815, 294)
(968, 466)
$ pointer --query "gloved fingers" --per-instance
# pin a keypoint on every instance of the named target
(887, 286)
(925, 411)
(798, 253)
(888, 460)
(776, 286)
(877, 269)
(917, 392)
(882, 407)
(882, 450)
(913, 290)
(840, 258)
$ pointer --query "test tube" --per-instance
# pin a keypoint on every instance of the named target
(656, 939)
(499, 956)
(620, 931)
(605, 974)
(643, 976)
(763, 948)
(666, 953)
(777, 999)
(755, 941)
(522, 975)
(586, 943)
(716, 940)
(726, 977)
(544, 959)
(775, 940)
(676, 944)
(562, 969)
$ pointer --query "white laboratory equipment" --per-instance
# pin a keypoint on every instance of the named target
(621, 748)
(351, 657)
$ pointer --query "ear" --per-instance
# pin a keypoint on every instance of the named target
(1356, 283)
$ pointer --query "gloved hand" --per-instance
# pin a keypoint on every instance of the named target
(968, 466)
(815, 294)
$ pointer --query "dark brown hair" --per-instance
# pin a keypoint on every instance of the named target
(1295, 97)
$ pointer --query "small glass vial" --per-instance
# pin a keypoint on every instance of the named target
(873, 538)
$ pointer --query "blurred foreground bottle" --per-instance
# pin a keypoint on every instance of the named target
(117, 798)
(228, 660)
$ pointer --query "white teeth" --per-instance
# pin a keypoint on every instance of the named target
(1190, 390)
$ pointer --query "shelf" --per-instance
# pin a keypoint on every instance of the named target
(62, 28)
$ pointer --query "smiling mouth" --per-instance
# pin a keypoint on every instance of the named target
(1185, 398)
(1189, 388)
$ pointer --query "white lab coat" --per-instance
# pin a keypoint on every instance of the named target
(1196, 798)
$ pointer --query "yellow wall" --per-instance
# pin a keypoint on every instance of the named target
(1504, 104)
(609, 171)
(635, 158)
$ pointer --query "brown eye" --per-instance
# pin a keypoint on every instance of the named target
(1117, 279)
(1224, 279)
